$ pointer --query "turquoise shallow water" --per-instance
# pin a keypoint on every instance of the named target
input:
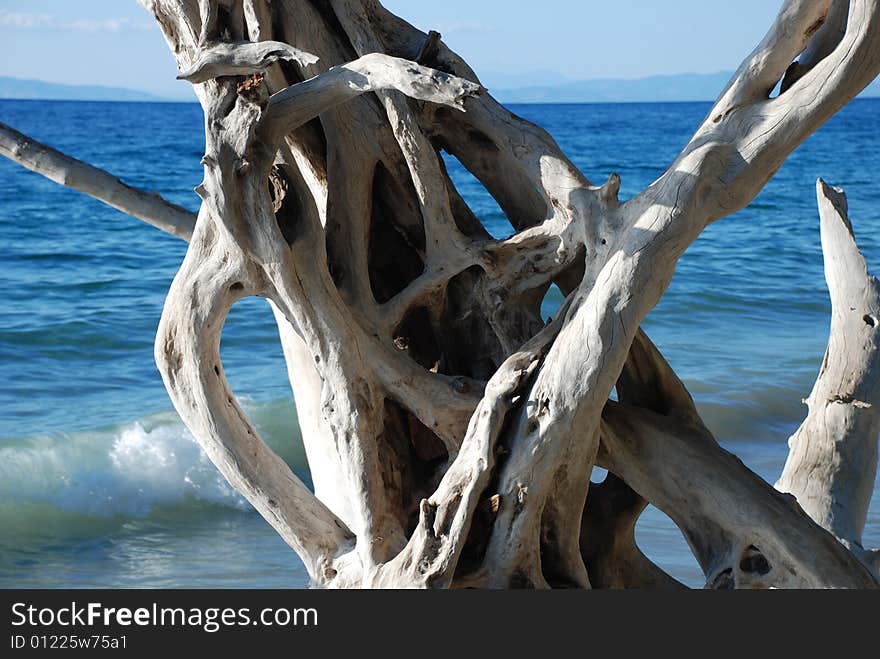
(100, 484)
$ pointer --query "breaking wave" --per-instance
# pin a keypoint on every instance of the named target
(130, 471)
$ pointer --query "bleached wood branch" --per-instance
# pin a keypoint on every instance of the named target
(188, 355)
(94, 182)
(430, 557)
(722, 168)
(832, 465)
(821, 45)
(424, 165)
(294, 106)
(258, 18)
(764, 539)
(743, 533)
(794, 28)
(311, 249)
(242, 58)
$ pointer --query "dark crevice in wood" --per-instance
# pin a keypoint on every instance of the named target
(287, 204)
(467, 347)
(411, 460)
(429, 49)
(415, 336)
(397, 237)
(334, 27)
(224, 31)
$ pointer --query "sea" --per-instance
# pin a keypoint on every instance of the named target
(101, 485)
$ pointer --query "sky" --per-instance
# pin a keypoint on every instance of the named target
(509, 43)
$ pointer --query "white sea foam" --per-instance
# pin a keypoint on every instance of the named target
(132, 469)
(166, 465)
(127, 471)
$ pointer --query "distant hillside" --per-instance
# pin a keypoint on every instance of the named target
(37, 89)
(669, 88)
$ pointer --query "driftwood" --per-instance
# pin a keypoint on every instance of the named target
(75, 174)
(450, 433)
(832, 463)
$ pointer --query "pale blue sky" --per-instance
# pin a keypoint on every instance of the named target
(114, 42)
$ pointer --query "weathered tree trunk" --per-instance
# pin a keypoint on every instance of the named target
(833, 459)
(451, 434)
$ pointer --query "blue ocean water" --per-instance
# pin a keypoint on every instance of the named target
(102, 486)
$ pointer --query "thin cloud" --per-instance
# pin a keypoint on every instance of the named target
(106, 25)
(25, 21)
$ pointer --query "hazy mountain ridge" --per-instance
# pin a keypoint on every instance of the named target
(653, 89)
(22, 88)
(661, 88)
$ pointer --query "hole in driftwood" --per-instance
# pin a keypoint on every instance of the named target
(869, 320)
(754, 561)
(415, 336)
(598, 475)
(465, 219)
(553, 299)
(253, 363)
(661, 540)
(483, 205)
(778, 88)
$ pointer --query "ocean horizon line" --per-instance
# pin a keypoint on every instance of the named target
(506, 103)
